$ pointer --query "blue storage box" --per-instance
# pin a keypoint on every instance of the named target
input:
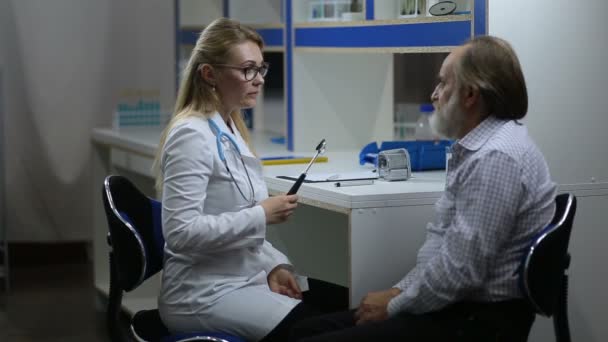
(424, 155)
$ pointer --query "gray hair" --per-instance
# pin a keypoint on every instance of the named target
(490, 65)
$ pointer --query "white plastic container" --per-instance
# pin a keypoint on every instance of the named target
(352, 16)
(423, 127)
(405, 117)
(411, 8)
(463, 7)
(328, 10)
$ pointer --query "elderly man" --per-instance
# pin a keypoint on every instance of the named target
(498, 195)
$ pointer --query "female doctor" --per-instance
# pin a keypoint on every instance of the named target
(220, 274)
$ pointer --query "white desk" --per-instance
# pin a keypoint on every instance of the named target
(353, 236)
(364, 237)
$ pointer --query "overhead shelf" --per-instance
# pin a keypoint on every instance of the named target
(271, 33)
(416, 34)
(399, 21)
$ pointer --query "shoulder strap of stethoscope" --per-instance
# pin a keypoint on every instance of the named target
(218, 139)
(220, 151)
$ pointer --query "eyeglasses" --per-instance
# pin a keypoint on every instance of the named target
(250, 72)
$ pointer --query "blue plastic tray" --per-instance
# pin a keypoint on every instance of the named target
(424, 155)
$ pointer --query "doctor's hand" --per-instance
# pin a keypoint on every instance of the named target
(282, 281)
(374, 306)
(279, 208)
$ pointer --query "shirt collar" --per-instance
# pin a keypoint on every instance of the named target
(481, 133)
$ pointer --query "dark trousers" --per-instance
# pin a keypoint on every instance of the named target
(508, 321)
(321, 298)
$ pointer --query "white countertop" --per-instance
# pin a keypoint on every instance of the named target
(144, 141)
(422, 188)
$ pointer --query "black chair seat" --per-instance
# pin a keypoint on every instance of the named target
(148, 325)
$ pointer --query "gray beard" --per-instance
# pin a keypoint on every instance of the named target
(448, 121)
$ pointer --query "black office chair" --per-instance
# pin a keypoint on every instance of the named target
(136, 253)
(542, 278)
(543, 273)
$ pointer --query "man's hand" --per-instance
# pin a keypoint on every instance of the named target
(282, 281)
(374, 306)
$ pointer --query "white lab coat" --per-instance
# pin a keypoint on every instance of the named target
(216, 256)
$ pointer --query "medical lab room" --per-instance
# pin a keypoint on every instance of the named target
(303, 170)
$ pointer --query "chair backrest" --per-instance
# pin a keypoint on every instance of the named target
(547, 259)
(135, 231)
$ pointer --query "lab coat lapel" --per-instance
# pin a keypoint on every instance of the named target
(217, 118)
(252, 163)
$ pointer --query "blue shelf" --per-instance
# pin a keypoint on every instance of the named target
(188, 36)
(445, 33)
(273, 37)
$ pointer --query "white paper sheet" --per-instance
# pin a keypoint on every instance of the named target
(334, 176)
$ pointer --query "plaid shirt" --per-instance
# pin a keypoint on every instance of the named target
(498, 196)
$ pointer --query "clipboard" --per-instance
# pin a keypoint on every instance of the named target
(334, 176)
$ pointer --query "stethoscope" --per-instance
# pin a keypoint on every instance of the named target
(220, 150)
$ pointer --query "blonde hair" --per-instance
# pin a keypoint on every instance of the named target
(196, 97)
(491, 65)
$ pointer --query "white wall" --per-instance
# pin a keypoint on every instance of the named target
(69, 60)
(18, 132)
(563, 51)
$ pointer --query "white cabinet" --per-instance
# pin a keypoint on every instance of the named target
(338, 75)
